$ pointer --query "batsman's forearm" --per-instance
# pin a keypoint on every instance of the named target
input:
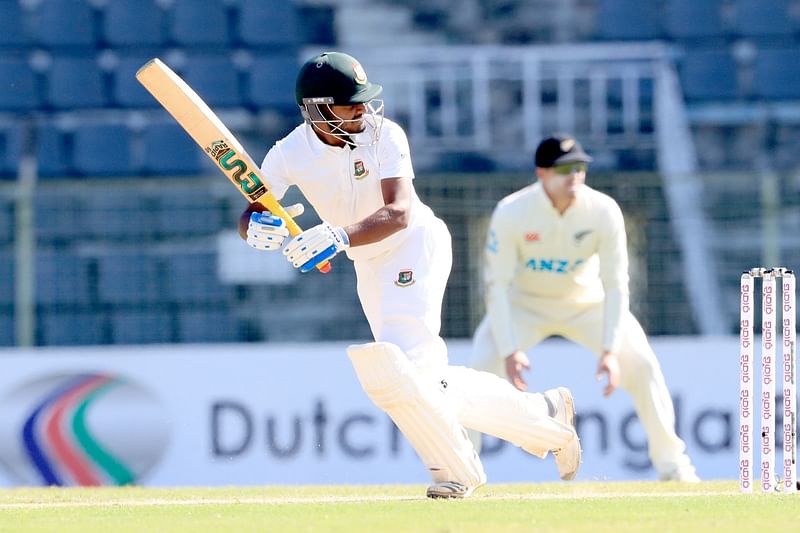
(381, 224)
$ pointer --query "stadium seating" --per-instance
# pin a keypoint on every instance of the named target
(215, 78)
(272, 80)
(6, 279)
(168, 150)
(141, 327)
(627, 20)
(199, 23)
(113, 215)
(52, 151)
(776, 74)
(7, 335)
(102, 150)
(14, 32)
(126, 90)
(7, 226)
(61, 278)
(75, 82)
(709, 75)
(65, 23)
(18, 81)
(217, 325)
(687, 19)
(179, 214)
(68, 328)
(10, 150)
(133, 23)
(192, 277)
(128, 278)
(268, 23)
(763, 18)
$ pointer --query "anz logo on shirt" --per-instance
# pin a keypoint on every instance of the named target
(553, 265)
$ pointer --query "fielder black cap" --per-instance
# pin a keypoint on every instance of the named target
(560, 150)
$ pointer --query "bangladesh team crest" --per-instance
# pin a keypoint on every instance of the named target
(359, 170)
(405, 278)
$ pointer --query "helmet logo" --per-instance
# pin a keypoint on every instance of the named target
(361, 76)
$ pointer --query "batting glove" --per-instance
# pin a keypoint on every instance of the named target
(268, 232)
(316, 245)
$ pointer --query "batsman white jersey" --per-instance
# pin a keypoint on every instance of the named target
(551, 274)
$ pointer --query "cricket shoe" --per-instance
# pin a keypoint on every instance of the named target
(568, 458)
(449, 490)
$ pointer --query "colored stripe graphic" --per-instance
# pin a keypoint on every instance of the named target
(80, 470)
(31, 441)
(114, 468)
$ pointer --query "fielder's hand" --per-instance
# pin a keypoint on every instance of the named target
(316, 245)
(268, 232)
(515, 364)
(608, 364)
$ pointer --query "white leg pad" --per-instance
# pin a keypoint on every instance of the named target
(490, 404)
(420, 410)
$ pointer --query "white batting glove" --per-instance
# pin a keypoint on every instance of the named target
(316, 245)
(268, 232)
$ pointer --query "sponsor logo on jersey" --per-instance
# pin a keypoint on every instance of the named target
(580, 235)
(359, 170)
(532, 236)
(553, 265)
(405, 278)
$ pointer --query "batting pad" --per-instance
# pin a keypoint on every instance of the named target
(490, 404)
(420, 410)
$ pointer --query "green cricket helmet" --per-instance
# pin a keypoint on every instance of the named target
(335, 78)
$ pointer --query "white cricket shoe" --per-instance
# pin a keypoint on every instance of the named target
(449, 489)
(568, 458)
(683, 474)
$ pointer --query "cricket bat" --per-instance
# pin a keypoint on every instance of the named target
(208, 131)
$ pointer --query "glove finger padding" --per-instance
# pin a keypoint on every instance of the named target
(266, 232)
(316, 245)
(295, 210)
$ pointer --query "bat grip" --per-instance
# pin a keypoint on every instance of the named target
(295, 230)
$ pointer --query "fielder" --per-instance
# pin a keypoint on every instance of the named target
(557, 264)
(354, 167)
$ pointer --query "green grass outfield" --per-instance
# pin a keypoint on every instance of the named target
(579, 506)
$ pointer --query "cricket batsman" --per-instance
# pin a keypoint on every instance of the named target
(557, 264)
(354, 166)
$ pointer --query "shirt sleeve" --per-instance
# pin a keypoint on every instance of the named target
(275, 172)
(613, 254)
(394, 154)
(500, 266)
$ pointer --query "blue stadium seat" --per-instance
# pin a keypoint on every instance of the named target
(7, 333)
(66, 218)
(75, 82)
(141, 327)
(6, 278)
(200, 23)
(215, 78)
(178, 215)
(627, 20)
(6, 227)
(126, 89)
(52, 152)
(102, 150)
(13, 25)
(18, 83)
(10, 150)
(133, 23)
(709, 75)
(763, 18)
(192, 277)
(128, 278)
(169, 150)
(686, 19)
(776, 74)
(272, 79)
(268, 23)
(72, 329)
(60, 23)
(207, 326)
(62, 278)
(113, 215)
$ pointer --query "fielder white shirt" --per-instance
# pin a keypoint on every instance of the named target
(553, 261)
(343, 183)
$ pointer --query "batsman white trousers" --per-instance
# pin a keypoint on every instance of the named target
(401, 293)
(640, 372)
